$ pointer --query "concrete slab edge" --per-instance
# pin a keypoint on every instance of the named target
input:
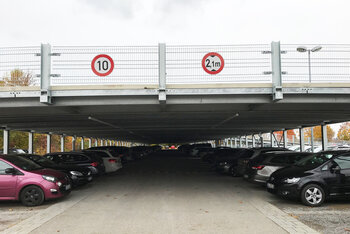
(281, 218)
(28, 225)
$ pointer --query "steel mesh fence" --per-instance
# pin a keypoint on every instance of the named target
(132, 65)
(242, 64)
(20, 66)
(330, 64)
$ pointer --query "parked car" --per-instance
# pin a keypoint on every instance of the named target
(95, 164)
(260, 172)
(78, 175)
(15, 151)
(24, 180)
(244, 163)
(229, 165)
(112, 164)
(116, 151)
(314, 178)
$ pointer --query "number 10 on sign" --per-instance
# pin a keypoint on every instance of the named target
(102, 65)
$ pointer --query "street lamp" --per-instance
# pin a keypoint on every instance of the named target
(303, 49)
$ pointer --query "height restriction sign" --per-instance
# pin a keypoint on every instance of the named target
(102, 65)
(213, 63)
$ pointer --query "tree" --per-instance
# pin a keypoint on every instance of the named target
(318, 133)
(17, 77)
(344, 132)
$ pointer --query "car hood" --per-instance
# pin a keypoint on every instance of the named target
(291, 171)
(50, 172)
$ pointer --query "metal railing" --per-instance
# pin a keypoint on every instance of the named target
(133, 65)
(243, 64)
(20, 66)
(329, 64)
(136, 65)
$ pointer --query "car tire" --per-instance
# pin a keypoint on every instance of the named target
(32, 196)
(233, 172)
(313, 195)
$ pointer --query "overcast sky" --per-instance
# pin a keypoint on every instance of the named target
(147, 22)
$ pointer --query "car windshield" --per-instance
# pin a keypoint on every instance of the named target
(23, 163)
(43, 161)
(314, 160)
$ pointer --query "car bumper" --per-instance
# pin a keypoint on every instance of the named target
(80, 180)
(256, 178)
(52, 190)
(284, 190)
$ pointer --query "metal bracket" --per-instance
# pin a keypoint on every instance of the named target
(277, 93)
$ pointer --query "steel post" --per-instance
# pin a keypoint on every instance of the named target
(62, 143)
(302, 140)
(162, 72)
(48, 143)
(6, 141)
(285, 139)
(324, 137)
(277, 92)
(30, 142)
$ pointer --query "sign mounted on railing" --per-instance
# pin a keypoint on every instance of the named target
(213, 63)
(102, 65)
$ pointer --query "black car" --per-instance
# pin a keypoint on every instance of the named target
(78, 175)
(314, 178)
(228, 165)
(260, 171)
(94, 163)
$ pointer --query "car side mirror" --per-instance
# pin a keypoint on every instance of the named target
(10, 171)
(335, 169)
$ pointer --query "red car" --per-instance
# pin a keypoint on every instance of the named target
(22, 179)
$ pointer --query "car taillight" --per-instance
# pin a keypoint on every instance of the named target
(258, 167)
(94, 164)
(112, 160)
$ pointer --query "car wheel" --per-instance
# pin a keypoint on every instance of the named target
(313, 195)
(233, 172)
(32, 196)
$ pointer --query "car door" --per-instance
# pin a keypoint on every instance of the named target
(8, 182)
(344, 164)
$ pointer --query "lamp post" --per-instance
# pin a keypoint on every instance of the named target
(303, 49)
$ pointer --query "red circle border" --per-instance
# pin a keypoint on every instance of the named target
(93, 63)
(213, 72)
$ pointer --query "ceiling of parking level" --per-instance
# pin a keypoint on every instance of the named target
(182, 119)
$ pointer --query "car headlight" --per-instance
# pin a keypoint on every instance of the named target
(292, 180)
(76, 173)
(50, 178)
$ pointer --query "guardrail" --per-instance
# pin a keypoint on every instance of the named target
(181, 67)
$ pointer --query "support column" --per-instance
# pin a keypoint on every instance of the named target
(302, 141)
(277, 92)
(62, 143)
(101, 142)
(82, 143)
(96, 142)
(246, 142)
(236, 146)
(48, 143)
(45, 74)
(324, 137)
(253, 141)
(240, 142)
(231, 143)
(6, 141)
(73, 143)
(312, 140)
(285, 139)
(162, 72)
(261, 141)
(30, 142)
(90, 142)
(271, 139)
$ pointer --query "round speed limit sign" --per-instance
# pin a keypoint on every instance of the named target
(213, 63)
(102, 65)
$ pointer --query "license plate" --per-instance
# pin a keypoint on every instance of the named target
(246, 176)
(68, 187)
(89, 178)
(270, 186)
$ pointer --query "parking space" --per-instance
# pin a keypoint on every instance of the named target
(169, 192)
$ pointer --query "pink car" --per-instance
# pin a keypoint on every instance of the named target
(22, 179)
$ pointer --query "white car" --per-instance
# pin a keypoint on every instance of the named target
(111, 163)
